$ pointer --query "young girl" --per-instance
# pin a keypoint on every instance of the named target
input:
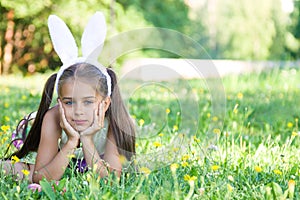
(90, 122)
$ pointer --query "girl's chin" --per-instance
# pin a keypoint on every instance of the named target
(80, 128)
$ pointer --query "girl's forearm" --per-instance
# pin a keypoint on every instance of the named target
(92, 156)
(56, 168)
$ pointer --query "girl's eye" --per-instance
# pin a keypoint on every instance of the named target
(69, 102)
(88, 102)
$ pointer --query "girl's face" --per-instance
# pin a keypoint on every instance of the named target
(79, 101)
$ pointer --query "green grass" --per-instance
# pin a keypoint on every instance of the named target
(248, 150)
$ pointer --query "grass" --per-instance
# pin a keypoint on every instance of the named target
(246, 149)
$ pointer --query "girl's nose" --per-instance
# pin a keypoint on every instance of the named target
(78, 109)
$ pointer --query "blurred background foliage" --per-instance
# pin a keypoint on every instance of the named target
(227, 29)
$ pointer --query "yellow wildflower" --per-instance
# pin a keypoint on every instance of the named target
(290, 124)
(6, 105)
(184, 164)
(189, 178)
(161, 134)
(217, 131)
(229, 187)
(215, 167)
(291, 183)
(173, 167)
(185, 157)
(6, 118)
(14, 159)
(141, 122)
(196, 139)
(294, 133)
(168, 110)
(157, 144)
(277, 171)
(240, 95)
(215, 118)
(136, 144)
(5, 128)
(25, 172)
(208, 115)
(24, 97)
(175, 128)
(70, 156)
(145, 170)
(258, 169)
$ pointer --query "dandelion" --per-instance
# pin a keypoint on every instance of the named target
(175, 128)
(294, 134)
(70, 156)
(189, 178)
(141, 122)
(208, 115)
(217, 131)
(185, 157)
(240, 95)
(258, 169)
(168, 110)
(161, 134)
(145, 170)
(6, 105)
(215, 167)
(136, 144)
(215, 118)
(25, 172)
(133, 116)
(196, 139)
(6, 118)
(5, 128)
(291, 183)
(277, 171)
(173, 167)
(157, 144)
(229, 188)
(14, 159)
(184, 164)
(290, 124)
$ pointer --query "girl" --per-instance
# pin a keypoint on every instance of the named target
(90, 122)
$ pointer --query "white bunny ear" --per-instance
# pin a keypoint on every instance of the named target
(93, 36)
(63, 41)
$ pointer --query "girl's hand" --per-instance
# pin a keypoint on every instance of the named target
(72, 134)
(98, 122)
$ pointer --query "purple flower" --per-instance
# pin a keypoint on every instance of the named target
(81, 165)
(34, 187)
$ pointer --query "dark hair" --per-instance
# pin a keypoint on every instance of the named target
(120, 121)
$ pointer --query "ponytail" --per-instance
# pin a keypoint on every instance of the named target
(32, 141)
(120, 121)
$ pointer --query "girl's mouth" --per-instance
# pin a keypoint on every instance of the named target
(80, 122)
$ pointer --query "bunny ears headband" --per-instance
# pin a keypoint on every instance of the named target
(91, 43)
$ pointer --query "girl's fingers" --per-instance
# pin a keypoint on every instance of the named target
(101, 114)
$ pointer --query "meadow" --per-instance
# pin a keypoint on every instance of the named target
(193, 142)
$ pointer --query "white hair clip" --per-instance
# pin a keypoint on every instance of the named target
(91, 43)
